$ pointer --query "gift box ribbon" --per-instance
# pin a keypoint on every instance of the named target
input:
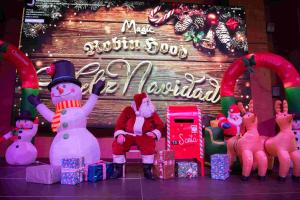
(161, 162)
(100, 162)
(164, 162)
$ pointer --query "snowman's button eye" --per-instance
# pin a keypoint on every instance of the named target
(20, 131)
(17, 146)
(66, 136)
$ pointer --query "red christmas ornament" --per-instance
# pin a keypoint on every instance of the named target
(232, 24)
(51, 70)
(177, 11)
(212, 19)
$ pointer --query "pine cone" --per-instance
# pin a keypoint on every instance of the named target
(182, 25)
(199, 21)
(223, 35)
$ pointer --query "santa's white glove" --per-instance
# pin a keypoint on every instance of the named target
(151, 134)
(121, 139)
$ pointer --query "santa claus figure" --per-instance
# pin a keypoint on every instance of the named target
(138, 125)
(232, 123)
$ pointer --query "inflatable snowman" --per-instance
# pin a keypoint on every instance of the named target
(22, 151)
(70, 117)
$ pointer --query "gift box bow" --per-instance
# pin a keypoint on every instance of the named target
(164, 162)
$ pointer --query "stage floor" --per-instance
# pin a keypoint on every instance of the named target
(134, 186)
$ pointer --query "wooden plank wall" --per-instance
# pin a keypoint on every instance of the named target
(261, 79)
(67, 39)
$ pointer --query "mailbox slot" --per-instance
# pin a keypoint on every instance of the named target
(184, 120)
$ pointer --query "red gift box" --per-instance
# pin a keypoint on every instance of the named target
(164, 164)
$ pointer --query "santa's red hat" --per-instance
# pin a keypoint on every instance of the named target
(234, 109)
(138, 99)
(220, 116)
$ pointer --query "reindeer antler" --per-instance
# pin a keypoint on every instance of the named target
(277, 106)
(251, 107)
(285, 106)
(241, 107)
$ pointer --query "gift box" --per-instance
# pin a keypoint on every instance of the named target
(72, 170)
(187, 169)
(45, 174)
(164, 164)
(219, 166)
(100, 171)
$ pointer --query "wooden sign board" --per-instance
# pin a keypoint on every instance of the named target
(118, 42)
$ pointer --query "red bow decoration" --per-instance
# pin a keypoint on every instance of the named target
(232, 24)
(51, 70)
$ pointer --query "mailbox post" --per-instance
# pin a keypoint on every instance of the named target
(184, 133)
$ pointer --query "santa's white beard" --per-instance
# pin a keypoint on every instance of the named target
(146, 110)
(236, 122)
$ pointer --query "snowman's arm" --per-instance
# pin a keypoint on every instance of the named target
(8, 135)
(90, 104)
(45, 112)
(35, 128)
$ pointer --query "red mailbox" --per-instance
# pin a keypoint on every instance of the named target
(184, 133)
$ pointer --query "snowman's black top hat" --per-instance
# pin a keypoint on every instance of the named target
(62, 71)
(25, 115)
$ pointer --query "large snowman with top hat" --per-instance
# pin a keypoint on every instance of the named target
(70, 117)
(22, 151)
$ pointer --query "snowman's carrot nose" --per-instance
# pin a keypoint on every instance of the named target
(60, 89)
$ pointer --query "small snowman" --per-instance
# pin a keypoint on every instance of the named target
(22, 151)
(70, 117)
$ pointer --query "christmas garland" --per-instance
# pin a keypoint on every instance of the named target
(207, 28)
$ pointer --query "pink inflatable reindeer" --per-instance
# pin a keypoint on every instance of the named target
(283, 145)
(249, 147)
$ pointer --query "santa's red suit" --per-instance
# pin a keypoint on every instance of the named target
(133, 124)
(231, 124)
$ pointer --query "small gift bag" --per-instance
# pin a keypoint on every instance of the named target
(100, 171)
(72, 171)
(219, 166)
(164, 164)
(187, 169)
(45, 174)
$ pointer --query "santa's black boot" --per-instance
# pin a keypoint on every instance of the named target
(148, 171)
(296, 178)
(118, 171)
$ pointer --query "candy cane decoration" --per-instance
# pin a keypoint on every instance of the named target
(283, 68)
(168, 130)
(200, 134)
(159, 20)
(201, 142)
(26, 71)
